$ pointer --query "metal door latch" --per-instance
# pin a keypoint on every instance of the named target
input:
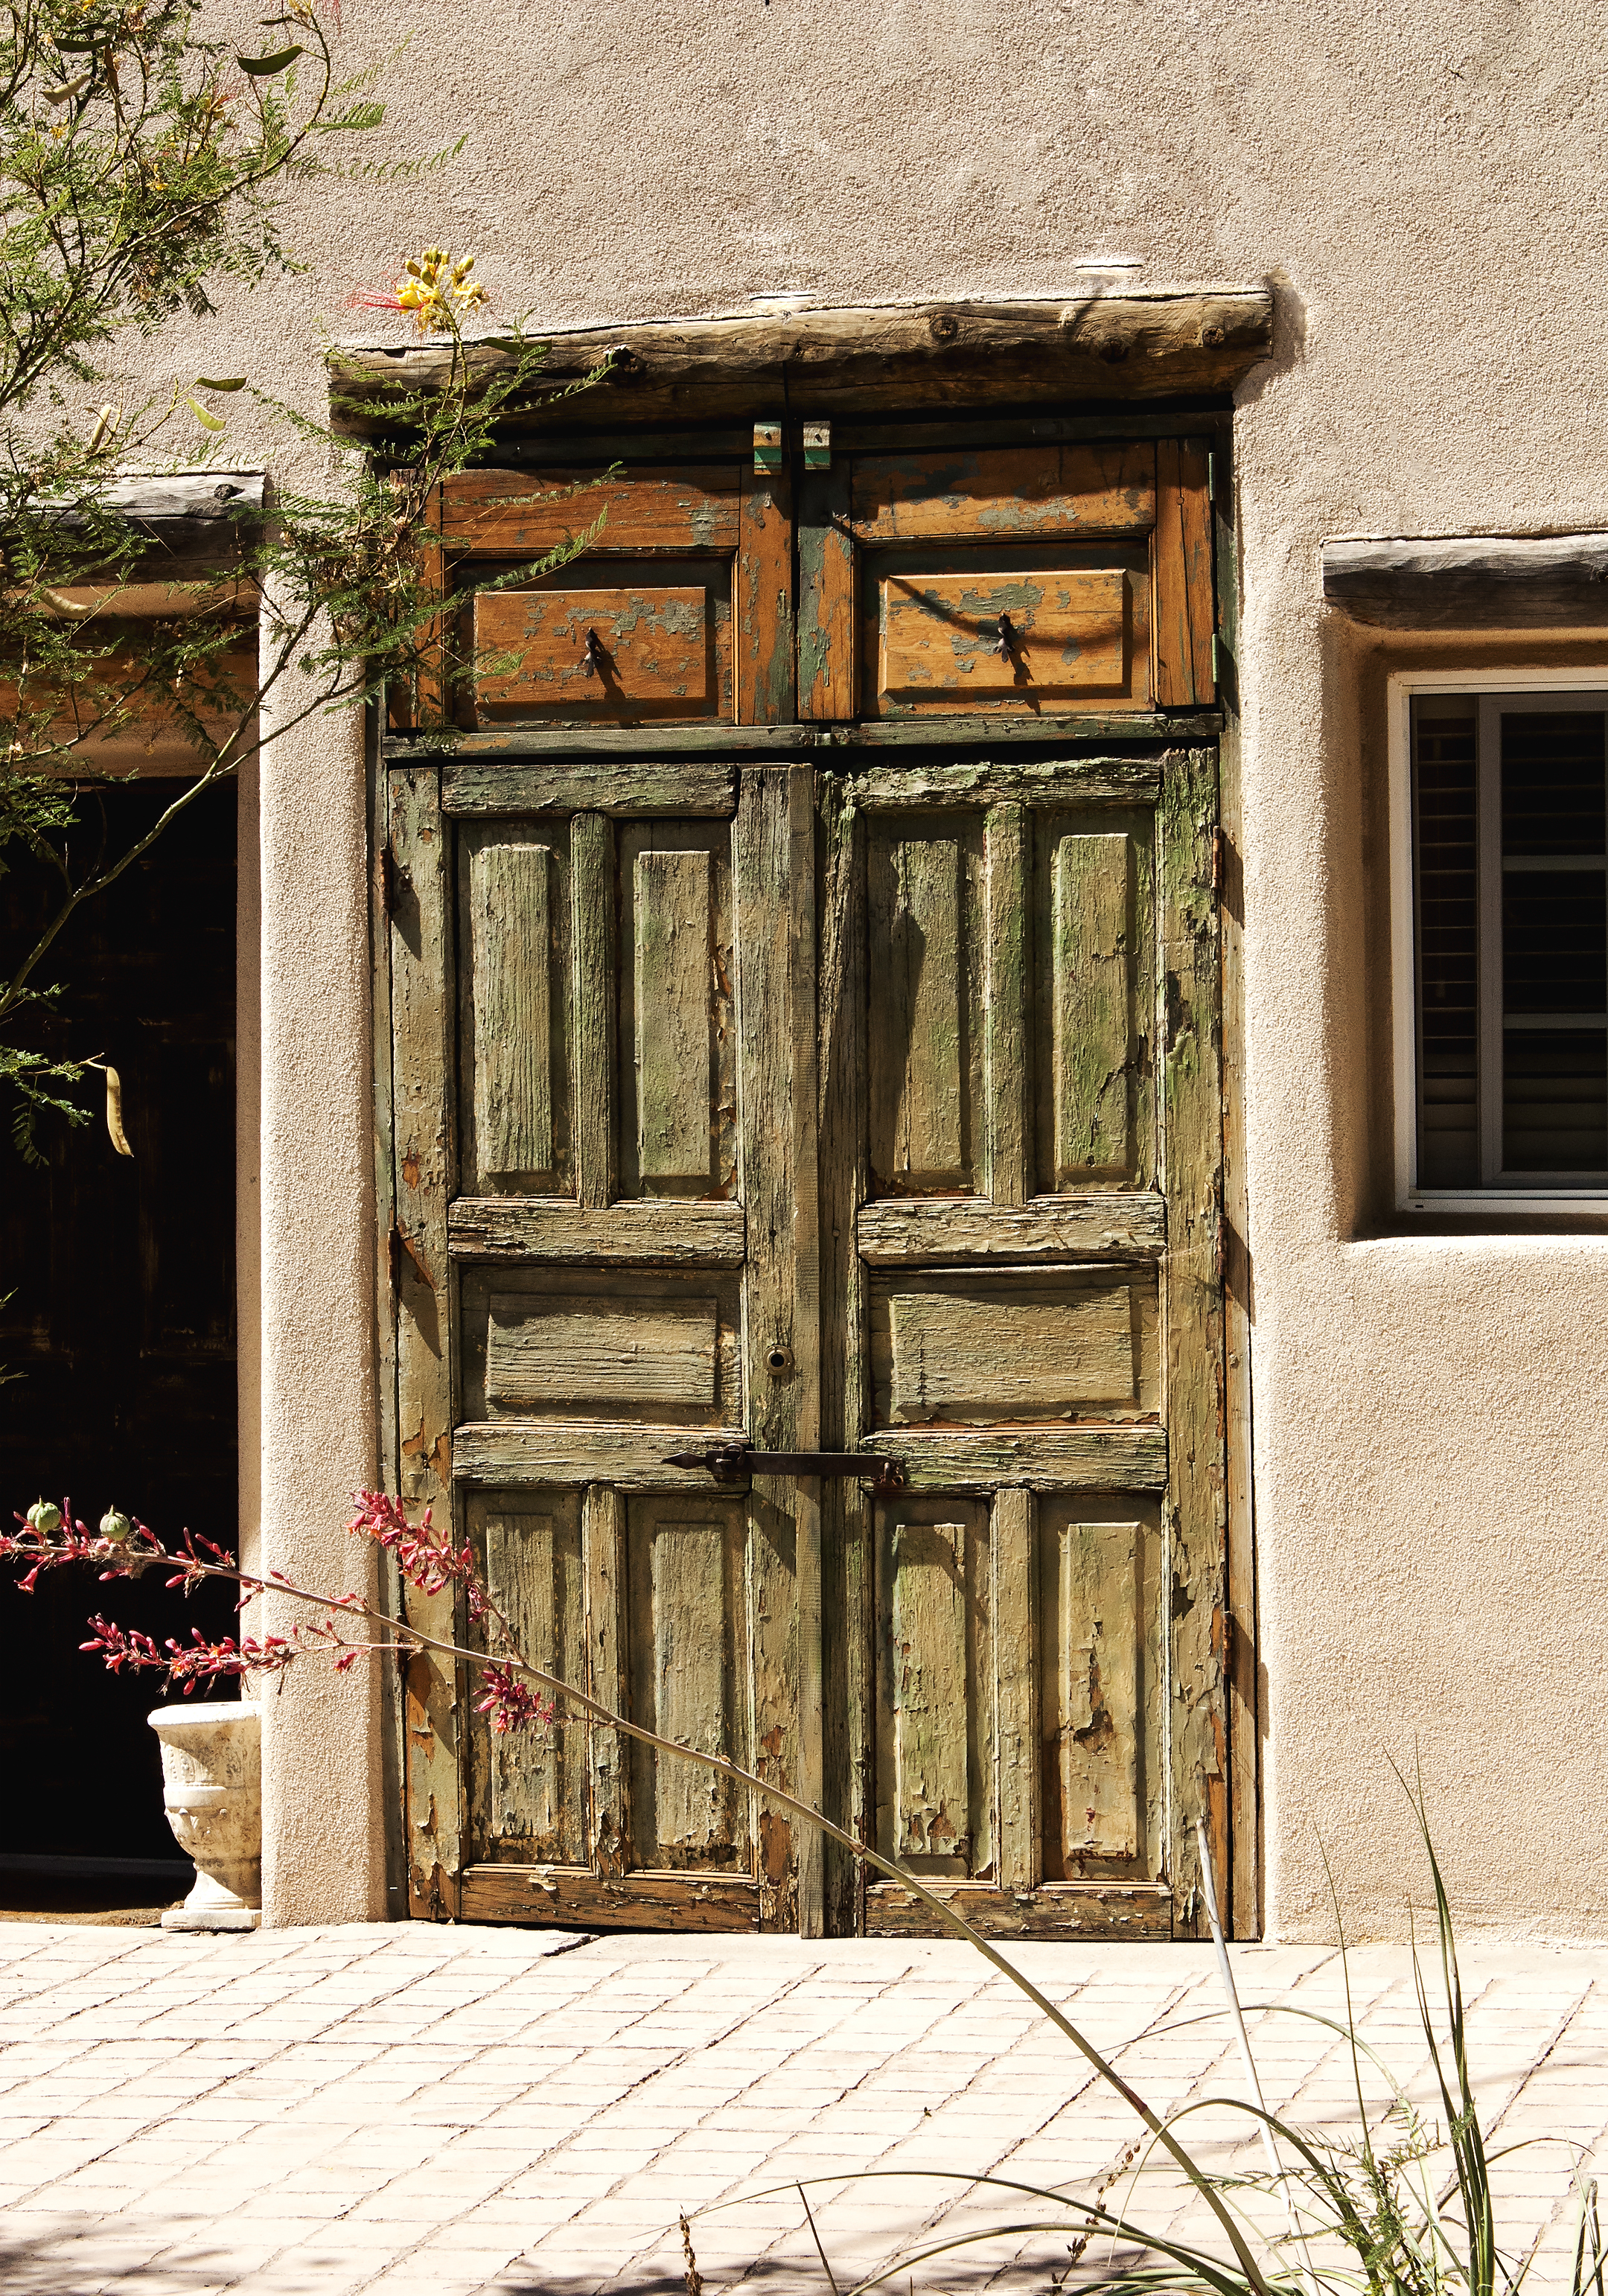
(1008, 640)
(733, 1462)
(593, 661)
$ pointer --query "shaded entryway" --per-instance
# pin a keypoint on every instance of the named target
(119, 1330)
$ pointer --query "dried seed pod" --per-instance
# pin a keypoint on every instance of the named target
(45, 1518)
(114, 1113)
(115, 1526)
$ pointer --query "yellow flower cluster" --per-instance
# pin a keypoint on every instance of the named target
(433, 286)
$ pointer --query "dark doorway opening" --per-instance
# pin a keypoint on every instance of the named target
(121, 1328)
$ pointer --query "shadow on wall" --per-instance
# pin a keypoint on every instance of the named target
(1289, 339)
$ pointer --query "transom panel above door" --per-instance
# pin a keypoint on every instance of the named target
(1019, 583)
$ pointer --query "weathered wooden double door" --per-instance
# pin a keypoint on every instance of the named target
(819, 1106)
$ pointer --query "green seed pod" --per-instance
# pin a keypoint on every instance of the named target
(45, 1518)
(114, 1526)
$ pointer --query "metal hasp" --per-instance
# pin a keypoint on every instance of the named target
(733, 1462)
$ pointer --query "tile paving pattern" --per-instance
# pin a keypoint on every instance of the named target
(408, 2108)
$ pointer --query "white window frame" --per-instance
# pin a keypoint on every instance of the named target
(1401, 688)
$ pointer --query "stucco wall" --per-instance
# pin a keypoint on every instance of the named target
(1425, 179)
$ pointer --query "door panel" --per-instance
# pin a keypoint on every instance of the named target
(936, 1705)
(924, 901)
(1021, 1341)
(626, 1077)
(678, 1047)
(1004, 630)
(1094, 981)
(514, 939)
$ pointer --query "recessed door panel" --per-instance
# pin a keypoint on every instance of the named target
(1025, 1346)
(677, 1054)
(935, 1703)
(643, 650)
(1102, 1658)
(974, 640)
(924, 906)
(1095, 979)
(513, 987)
(574, 1343)
(532, 1784)
(686, 1599)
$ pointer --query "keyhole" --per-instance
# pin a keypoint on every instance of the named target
(778, 1360)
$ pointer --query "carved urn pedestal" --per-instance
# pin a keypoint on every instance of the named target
(212, 1792)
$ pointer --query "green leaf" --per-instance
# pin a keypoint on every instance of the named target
(360, 115)
(220, 382)
(264, 67)
(208, 421)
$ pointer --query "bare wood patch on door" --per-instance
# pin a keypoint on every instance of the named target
(687, 1631)
(935, 1720)
(965, 1346)
(925, 981)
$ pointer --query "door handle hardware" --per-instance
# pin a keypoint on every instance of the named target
(733, 1462)
(592, 660)
(1008, 640)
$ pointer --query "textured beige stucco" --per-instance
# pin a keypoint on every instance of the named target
(322, 1818)
(1424, 180)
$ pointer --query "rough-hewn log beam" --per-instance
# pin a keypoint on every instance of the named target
(1470, 582)
(1162, 343)
(192, 525)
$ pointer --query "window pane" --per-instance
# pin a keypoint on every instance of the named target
(1555, 1101)
(1552, 782)
(1555, 943)
(1447, 890)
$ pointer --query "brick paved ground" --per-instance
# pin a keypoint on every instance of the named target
(418, 2109)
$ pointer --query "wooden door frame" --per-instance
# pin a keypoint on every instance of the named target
(1235, 1624)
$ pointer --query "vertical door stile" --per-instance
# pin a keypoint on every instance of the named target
(1195, 1513)
(1005, 1057)
(593, 939)
(1020, 1849)
(422, 1005)
(763, 603)
(603, 1547)
(826, 601)
(847, 1597)
(776, 1089)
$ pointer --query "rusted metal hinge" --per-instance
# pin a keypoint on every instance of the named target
(402, 1245)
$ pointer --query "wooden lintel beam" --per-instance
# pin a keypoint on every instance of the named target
(1470, 582)
(191, 526)
(1165, 342)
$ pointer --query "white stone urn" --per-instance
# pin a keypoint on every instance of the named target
(212, 1792)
